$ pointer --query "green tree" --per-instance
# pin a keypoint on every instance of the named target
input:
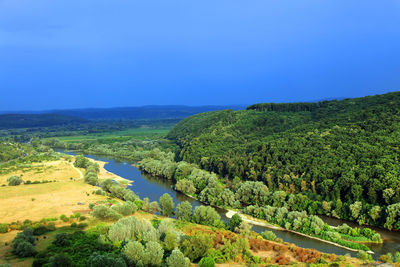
(61, 260)
(207, 215)
(14, 180)
(184, 211)
(177, 259)
(234, 222)
(196, 246)
(167, 205)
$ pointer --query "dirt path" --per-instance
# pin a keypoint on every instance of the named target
(78, 170)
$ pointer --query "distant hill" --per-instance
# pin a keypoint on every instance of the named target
(36, 120)
(145, 112)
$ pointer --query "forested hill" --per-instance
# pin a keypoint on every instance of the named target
(8, 121)
(330, 150)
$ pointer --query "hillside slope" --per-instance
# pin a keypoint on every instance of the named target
(346, 150)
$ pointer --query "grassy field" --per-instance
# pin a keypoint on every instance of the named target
(37, 201)
(138, 133)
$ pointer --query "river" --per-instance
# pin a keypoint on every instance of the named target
(153, 188)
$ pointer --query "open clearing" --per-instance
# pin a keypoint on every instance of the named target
(37, 201)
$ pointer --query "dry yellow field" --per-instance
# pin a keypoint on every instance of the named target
(37, 201)
(60, 170)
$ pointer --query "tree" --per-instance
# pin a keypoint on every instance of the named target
(207, 215)
(167, 205)
(234, 222)
(23, 244)
(134, 251)
(184, 211)
(109, 260)
(196, 246)
(244, 228)
(355, 209)
(185, 186)
(154, 253)
(388, 194)
(375, 212)
(170, 241)
(61, 260)
(81, 162)
(177, 259)
(154, 207)
(14, 180)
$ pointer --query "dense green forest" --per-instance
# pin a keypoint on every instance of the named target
(345, 153)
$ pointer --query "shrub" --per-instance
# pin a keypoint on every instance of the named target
(105, 213)
(109, 260)
(268, 235)
(3, 228)
(23, 244)
(363, 255)
(207, 262)
(64, 218)
(126, 208)
(82, 225)
(24, 249)
(397, 257)
(14, 180)
(40, 229)
(177, 259)
(386, 258)
(61, 260)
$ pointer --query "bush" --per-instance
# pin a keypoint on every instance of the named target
(207, 262)
(61, 260)
(64, 218)
(3, 228)
(109, 260)
(105, 213)
(14, 180)
(386, 258)
(268, 235)
(23, 244)
(177, 259)
(126, 208)
(364, 256)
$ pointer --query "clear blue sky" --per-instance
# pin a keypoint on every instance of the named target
(96, 53)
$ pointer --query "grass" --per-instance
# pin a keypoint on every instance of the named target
(37, 201)
(139, 133)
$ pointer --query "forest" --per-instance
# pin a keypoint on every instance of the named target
(342, 153)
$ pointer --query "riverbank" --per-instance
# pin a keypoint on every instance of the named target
(254, 221)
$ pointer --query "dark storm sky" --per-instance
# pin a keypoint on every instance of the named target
(96, 53)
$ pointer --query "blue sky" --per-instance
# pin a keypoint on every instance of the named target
(87, 53)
